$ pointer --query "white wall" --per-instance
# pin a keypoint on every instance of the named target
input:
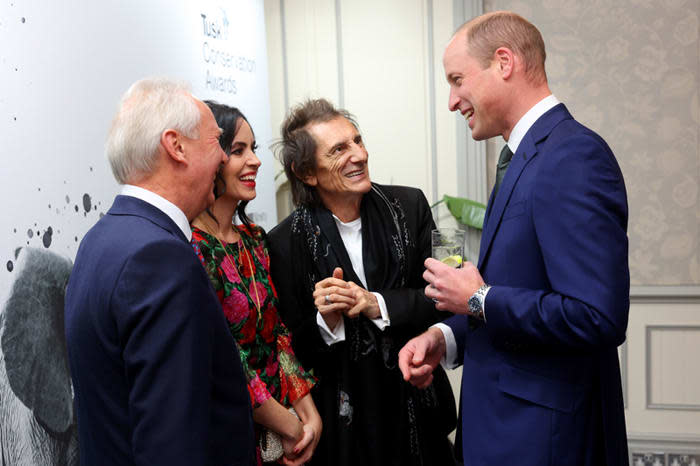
(382, 61)
(64, 66)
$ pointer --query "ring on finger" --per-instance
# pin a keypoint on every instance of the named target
(328, 299)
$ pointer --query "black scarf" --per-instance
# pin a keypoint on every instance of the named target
(387, 249)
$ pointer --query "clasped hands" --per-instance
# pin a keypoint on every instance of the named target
(298, 451)
(299, 447)
(335, 297)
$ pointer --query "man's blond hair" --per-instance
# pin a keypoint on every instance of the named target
(486, 33)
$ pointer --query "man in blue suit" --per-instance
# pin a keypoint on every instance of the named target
(538, 322)
(156, 373)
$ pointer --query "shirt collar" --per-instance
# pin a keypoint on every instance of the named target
(526, 121)
(162, 204)
(351, 225)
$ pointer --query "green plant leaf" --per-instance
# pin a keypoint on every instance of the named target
(466, 211)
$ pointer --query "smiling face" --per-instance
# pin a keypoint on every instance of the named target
(474, 90)
(242, 167)
(341, 174)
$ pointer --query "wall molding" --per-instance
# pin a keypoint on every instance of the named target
(432, 100)
(624, 369)
(665, 294)
(640, 442)
(285, 69)
(647, 344)
(471, 155)
(663, 448)
(339, 51)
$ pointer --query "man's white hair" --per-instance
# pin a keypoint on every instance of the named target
(146, 110)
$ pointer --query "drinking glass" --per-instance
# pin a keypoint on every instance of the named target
(448, 246)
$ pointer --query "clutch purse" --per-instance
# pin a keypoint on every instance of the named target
(271, 443)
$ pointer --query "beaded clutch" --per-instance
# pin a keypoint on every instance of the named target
(271, 443)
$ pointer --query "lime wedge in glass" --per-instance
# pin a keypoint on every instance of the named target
(453, 261)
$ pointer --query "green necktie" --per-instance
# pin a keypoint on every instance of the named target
(503, 162)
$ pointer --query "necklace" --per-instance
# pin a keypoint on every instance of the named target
(242, 252)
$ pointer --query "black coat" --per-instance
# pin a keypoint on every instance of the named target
(371, 415)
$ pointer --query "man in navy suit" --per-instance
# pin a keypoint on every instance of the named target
(156, 373)
(538, 323)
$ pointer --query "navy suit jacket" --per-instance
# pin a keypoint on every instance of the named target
(156, 373)
(541, 378)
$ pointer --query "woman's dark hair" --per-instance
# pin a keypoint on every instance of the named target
(229, 120)
(296, 150)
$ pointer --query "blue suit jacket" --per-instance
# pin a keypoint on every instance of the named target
(541, 379)
(156, 373)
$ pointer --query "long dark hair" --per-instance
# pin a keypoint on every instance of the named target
(296, 149)
(229, 120)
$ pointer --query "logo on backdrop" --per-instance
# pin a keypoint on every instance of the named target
(216, 27)
(221, 63)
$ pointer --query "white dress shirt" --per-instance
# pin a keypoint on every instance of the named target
(450, 359)
(351, 234)
(162, 204)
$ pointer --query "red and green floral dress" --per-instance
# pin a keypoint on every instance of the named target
(241, 278)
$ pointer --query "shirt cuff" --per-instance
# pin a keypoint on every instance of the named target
(331, 337)
(449, 359)
(383, 321)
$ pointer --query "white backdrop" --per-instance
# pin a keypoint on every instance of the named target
(63, 67)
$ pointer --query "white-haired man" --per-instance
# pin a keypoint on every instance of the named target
(156, 373)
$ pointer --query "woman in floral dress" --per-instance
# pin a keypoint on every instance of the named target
(237, 261)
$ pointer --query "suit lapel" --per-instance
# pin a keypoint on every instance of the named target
(527, 150)
(498, 204)
(128, 205)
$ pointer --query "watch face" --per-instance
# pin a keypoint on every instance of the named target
(474, 305)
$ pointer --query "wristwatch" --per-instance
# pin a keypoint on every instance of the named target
(476, 302)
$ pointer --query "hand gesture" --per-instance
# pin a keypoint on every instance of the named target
(365, 303)
(308, 414)
(333, 296)
(420, 356)
(296, 452)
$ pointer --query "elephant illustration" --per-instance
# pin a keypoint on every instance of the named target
(37, 421)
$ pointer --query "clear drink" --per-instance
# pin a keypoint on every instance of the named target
(448, 246)
(450, 255)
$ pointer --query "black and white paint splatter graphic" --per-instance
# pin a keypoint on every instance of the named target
(43, 231)
(63, 71)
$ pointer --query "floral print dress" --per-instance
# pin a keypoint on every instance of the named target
(241, 277)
